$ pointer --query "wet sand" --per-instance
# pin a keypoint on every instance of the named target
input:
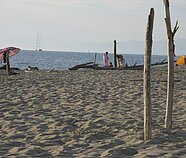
(89, 113)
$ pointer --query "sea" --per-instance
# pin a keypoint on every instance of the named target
(61, 60)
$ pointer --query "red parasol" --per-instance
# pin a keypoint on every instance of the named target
(11, 50)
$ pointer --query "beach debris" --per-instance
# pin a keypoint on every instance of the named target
(51, 70)
(29, 68)
(86, 65)
(91, 65)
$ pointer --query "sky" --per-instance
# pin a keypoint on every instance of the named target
(83, 25)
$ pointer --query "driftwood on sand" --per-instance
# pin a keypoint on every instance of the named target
(86, 65)
(92, 65)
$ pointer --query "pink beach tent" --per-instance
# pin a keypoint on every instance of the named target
(11, 50)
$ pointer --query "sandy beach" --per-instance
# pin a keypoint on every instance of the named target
(89, 113)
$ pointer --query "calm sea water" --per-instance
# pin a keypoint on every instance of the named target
(64, 60)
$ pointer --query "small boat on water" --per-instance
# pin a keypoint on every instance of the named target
(38, 42)
(39, 49)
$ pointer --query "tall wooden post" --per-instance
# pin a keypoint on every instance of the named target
(170, 83)
(147, 78)
(7, 63)
(115, 60)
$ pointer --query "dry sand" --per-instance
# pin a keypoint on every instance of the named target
(89, 114)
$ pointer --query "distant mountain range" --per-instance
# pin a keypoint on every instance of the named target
(137, 47)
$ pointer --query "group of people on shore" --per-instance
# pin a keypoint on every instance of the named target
(120, 60)
(106, 60)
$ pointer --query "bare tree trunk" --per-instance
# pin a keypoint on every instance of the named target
(147, 78)
(170, 83)
(115, 61)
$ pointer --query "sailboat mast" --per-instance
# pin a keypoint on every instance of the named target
(38, 41)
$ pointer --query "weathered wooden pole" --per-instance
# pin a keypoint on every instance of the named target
(147, 78)
(170, 46)
(95, 57)
(115, 60)
(7, 63)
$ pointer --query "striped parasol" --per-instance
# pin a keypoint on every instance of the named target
(11, 50)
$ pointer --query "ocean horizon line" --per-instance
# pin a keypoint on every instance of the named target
(87, 52)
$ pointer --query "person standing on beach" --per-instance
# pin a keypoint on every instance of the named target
(106, 59)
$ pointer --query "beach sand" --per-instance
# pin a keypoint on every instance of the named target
(89, 113)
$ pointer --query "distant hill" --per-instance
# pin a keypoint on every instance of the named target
(161, 46)
(137, 47)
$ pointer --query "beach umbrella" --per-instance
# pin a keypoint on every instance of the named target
(11, 50)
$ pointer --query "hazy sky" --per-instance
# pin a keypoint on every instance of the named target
(80, 25)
